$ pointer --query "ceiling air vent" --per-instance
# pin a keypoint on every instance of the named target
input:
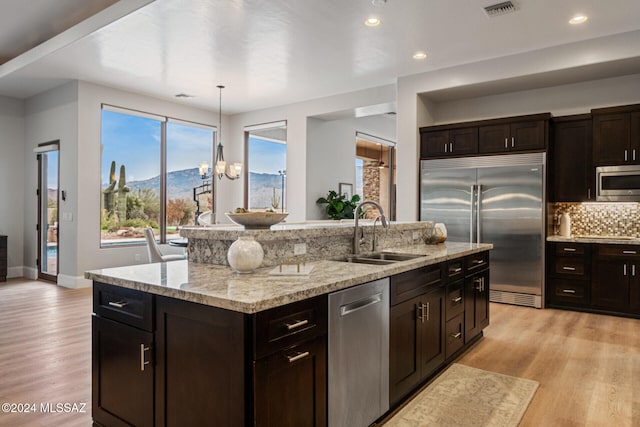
(500, 9)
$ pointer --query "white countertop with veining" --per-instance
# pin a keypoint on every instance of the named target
(219, 286)
(616, 240)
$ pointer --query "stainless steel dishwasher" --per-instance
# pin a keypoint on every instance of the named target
(358, 375)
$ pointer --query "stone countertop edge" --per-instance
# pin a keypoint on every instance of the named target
(604, 240)
(219, 286)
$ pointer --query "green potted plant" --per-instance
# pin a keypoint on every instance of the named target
(338, 205)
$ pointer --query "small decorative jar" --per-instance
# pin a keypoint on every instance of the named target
(245, 254)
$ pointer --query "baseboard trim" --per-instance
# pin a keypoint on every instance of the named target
(27, 272)
(73, 282)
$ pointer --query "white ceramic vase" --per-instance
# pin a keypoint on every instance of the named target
(245, 254)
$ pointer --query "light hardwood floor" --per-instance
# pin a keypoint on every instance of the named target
(588, 365)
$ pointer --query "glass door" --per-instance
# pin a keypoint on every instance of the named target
(48, 204)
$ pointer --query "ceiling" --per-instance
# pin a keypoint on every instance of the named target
(277, 52)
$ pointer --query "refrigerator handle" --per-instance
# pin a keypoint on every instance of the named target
(473, 191)
(479, 201)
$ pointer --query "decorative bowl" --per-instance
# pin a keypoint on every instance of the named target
(256, 220)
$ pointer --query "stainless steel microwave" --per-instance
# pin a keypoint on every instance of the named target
(618, 183)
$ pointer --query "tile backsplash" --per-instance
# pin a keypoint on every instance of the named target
(602, 219)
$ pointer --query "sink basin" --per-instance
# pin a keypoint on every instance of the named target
(381, 258)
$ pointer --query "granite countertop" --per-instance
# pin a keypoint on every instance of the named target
(616, 240)
(219, 286)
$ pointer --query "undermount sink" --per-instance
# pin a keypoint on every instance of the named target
(381, 258)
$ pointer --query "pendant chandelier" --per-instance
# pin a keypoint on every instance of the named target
(231, 171)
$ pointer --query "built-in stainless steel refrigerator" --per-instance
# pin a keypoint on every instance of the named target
(498, 200)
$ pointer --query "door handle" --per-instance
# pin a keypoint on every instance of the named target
(143, 362)
(118, 304)
(473, 191)
(478, 228)
(568, 291)
(569, 268)
(457, 299)
(513, 142)
(569, 249)
(360, 304)
(624, 270)
(506, 143)
(296, 324)
(451, 147)
(458, 335)
(445, 147)
(626, 157)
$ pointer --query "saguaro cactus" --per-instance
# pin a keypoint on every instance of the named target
(122, 195)
(109, 199)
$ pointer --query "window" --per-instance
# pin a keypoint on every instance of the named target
(266, 166)
(149, 170)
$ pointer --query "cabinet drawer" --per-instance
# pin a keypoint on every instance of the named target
(123, 305)
(455, 299)
(571, 291)
(570, 249)
(282, 327)
(455, 269)
(405, 286)
(570, 266)
(454, 332)
(624, 251)
(476, 262)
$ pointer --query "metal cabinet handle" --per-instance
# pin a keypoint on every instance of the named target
(296, 324)
(478, 283)
(624, 270)
(455, 270)
(419, 311)
(457, 299)
(569, 249)
(477, 261)
(143, 362)
(458, 335)
(299, 355)
(633, 270)
(428, 310)
(568, 291)
(445, 147)
(118, 304)
(506, 143)
(569, 268)
(630, 252)
(626, 157)
(513, 142)
(634, 155)
(451, 147)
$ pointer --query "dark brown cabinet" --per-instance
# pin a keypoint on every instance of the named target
(476, 295)
(160, 361)
(3, 258)
(568, 274)
(122, 364)
(516, 136)
(452, 142)
(572, 174)
(615, 278)
(416, 329)
(616, 135)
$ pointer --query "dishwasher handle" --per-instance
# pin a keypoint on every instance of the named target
(354, 306)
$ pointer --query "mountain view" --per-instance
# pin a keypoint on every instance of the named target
(180, 185)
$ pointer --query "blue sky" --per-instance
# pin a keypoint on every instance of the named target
(135, 142)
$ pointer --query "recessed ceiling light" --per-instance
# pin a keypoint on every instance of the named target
(420, 55)
(372, 21)
(578, 19)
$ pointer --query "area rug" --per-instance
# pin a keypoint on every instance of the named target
(465, 396)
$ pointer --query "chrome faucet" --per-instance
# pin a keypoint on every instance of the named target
(356, 237)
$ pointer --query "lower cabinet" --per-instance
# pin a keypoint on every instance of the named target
(615, 283)
(476, 304)
(197, 365)
(416, 329)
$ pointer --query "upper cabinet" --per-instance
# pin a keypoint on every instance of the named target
(495, 136)
(454, 142)
(571, 172)
(616, 135)
(515, 136)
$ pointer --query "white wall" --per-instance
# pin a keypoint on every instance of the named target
(52, 115)
(11, 182)
(331, 153)
(231, 194)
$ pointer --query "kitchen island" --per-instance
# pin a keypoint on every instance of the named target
(185, 343)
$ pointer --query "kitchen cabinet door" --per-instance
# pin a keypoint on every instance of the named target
(476, 310)
(494, 138)
(431, 326)
(610, 284)
(634, 288)
(572, 177)
(527, 135)
(291, 386)
(404, 348)
(200, 365)
(611, 139)
(453, 142)
(122, 384)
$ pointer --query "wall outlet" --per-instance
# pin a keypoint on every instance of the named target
(137, 257)
(300, 249)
